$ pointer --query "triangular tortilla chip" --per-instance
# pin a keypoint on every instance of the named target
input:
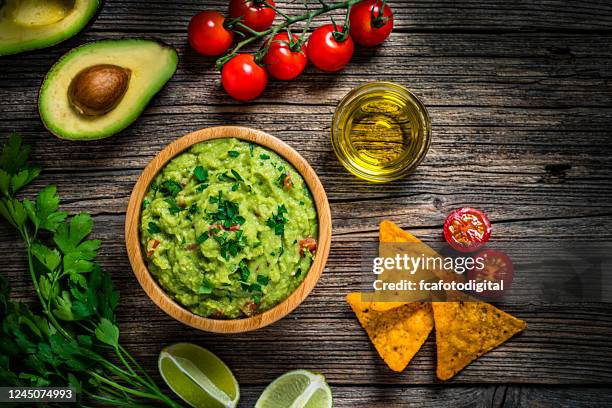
(397, 333)
(467, 330)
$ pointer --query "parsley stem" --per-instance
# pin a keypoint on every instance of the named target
(138, 366)
(124, 389)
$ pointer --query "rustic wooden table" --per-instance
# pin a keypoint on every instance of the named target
(520, 94)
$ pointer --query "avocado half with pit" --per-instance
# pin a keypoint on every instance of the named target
(32, 24)
(100, 88)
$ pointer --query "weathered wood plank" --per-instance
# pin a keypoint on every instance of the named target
(461, 397)
(496, 16)
(396, 397)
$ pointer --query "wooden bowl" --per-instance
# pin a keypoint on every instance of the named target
(148, 282)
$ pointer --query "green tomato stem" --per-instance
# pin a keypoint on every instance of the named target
(309, 16)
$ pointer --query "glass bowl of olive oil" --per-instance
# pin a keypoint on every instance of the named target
(381, 131)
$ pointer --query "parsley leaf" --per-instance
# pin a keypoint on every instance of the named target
(233, 153)
(277, 221)
(244, 271)
(264, 156)
(236, 175)
(170, 187)
(174, 207)
(201, 174)
(263, 280)
(153, 228)
(205, 289)
(107, 333)
(227, 214)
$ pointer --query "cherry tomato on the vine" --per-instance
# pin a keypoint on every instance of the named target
(254, 13)
(327, 50)
(493, 266)
(467, 229)
(370, 25)
(243, 78)
(286, 59)
(207, 34)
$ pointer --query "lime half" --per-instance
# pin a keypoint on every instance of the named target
(199, 377)
(297, 389)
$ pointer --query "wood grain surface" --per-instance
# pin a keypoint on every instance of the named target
(520, 96)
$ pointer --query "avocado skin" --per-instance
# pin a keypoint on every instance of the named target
(132, 111)
(51, 38)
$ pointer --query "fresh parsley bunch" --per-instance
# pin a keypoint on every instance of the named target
(74, 340)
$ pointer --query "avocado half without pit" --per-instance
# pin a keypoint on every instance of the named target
(32, 24)
(100, 88)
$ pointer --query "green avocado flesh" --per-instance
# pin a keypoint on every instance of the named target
(151, 65)
(221, 229)
(32, 24)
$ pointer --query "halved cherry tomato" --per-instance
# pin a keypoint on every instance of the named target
(207, 34)
(370, 25)
(327, 50)
(286, 59)
(467, 229)
(243, 78)
(495, 266)
(253, 13)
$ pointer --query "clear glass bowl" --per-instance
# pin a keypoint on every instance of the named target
(381, 131)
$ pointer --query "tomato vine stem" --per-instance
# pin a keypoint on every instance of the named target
(308, 17)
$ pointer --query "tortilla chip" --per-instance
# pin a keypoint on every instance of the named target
(467, 330)
(396, 333)
(390, 232)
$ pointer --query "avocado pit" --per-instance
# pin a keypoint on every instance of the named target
(98, 89)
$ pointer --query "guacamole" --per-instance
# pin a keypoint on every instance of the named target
(228, 229)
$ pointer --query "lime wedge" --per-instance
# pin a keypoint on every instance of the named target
(296, 389)
(199, 377)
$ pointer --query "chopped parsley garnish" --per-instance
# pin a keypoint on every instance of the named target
(263, 280)
(205, 289)
(201, 174)
(244, 271)
(235, 186)
(202, 238)
(194, 209)
(236, 175)
(277, 221)
(145, 203)
(174, 207)
(201, 187)
(170, 187)
(264, 156)
(254, 287)
(233, 153)
(153, 228)
(227, 213)
(256, 298)
(302, 202)
(281, 180)
(230, 247)
(251, 148)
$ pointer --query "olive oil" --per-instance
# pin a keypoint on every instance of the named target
(381, 132)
